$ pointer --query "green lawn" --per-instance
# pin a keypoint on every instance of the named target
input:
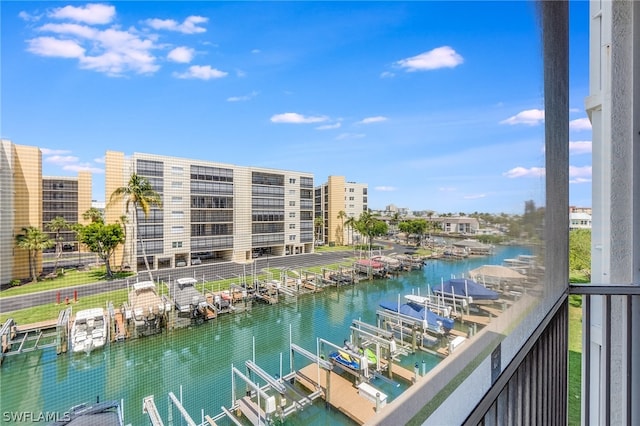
(575, 360)
(50, 311)
(70, 277)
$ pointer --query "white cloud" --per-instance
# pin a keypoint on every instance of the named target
(294, 117)
(583, 172)
(369, 120)
(580, 124)
(50, 46)
(344, 136)
(474, 196)
(579, 180)
(61, 159)
(440, 57)
(256, 51)
(387, 74)
(386, 188)
(518, 172)
(26, 16)
(77, 30)
(111, 51)
(82, 167)
(577, 174)
(48, 151)
(90, 13)
(242, 98)
(181, 54)
(530, 117)
(189, 26)
(447, 189)
(580, 147)
(202, 72)
(329, 126)
(99, 160)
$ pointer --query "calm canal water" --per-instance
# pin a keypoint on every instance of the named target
(199, 358)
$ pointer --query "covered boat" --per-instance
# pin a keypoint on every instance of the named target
(369, 266)
(430, 320)
(462, 287)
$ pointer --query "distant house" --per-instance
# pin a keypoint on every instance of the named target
(579, 221)
(458, 224)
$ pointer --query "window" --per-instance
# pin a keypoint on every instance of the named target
(176, 200)
(292, 237)
(292, 214)
(176, 185)
(292, 226)
(177, 170)
(292, 203)
(177, 215)
(176, 244)
(177, 229)
(292, 180)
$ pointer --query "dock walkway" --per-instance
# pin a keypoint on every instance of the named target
(343, 395)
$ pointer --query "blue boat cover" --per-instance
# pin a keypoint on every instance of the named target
(465, 287)
(419, 312)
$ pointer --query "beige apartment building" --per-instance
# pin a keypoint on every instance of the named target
(331, 198)
(210, 211)
(29, 199)
(67, 197)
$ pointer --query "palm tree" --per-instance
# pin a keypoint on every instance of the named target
(350, 223)
(342, 215)
(34, 241)
(395, 219)
(124, 221)
(57, 225)
(138, 194)
(364, 224)
(318, 223)
(93, 215)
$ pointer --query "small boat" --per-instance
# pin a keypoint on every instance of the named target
(107, 413)
(464, 288)
(428, 301)
(390, 263)
(148, 307)
(430, 321)
(369, 266)
(346, 359)
(190, 301)
(89, 330)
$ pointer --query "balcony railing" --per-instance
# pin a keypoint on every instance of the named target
(606, 296)
(534, 385)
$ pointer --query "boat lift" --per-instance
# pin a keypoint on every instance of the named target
(15, 340)
(149, 408)
(399, 324)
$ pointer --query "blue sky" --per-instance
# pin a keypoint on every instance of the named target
(435, 105)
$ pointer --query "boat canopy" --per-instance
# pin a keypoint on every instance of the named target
(465, 288)
(418, 312)
(144, 285)
(89, 313)
(183, 282)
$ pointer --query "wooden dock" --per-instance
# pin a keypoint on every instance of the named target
(251, 410)
(401, 372)
(343, 395)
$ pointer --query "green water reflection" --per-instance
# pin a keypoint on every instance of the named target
(199, 358)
